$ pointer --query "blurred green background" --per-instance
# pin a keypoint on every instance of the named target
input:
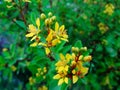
(85, 20)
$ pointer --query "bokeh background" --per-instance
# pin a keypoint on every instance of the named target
(95, 22)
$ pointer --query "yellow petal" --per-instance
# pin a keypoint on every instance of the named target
(38, 22)
(62, 57)
(56, 26)
(60, 81)
(68, 57)
(47, 50)
(75, 79)
(66, 80)
(65, 35)
(33, 44)
(55, 41)
(73, 71)
(56, 76)
(50, 36)
(33, 38)
(32, 28)
(64, 39)
(84, 70)
(42, 44)
(80, 57)
(62, 28)
(73, 55)
(66, 67)
(29, 34)
(60, 69)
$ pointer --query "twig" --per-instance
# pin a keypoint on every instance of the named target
(50, 3)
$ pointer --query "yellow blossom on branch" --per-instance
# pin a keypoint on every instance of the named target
(53, 36)
(109, 9)
(33, 33)
(103, 28)
(60, 32)
(71, 66)
(31, 80)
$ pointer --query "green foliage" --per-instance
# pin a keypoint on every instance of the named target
(82, 19)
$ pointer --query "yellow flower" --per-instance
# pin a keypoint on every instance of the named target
(60, 32)
(62, 77)
(61, 65)
(33, 33)
(43, 88)
(13, 68)
(103, 28)
(62, 68)
(109, 9)
(31, 81)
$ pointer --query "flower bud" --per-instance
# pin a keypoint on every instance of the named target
(83, 49)
(37, 74)
(42, 16)
(80, 57)
(87, 58)
(53, 18)
(73, 71)
(49, 14)
(46, 22)
(75, 49)
(39, 69)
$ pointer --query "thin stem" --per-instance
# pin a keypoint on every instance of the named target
(50, 3)
(22, 13)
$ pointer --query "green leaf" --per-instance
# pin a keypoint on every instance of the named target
(64, 87)
(59, 46)
(78, 44)
(21, 24)
(65, 49)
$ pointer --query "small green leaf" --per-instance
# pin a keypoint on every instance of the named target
(21, 24)
(78, 44)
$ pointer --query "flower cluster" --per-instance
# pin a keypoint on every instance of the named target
(41, 72)
(102, 27)
(31, 80)
(109, 9)
(71, 66)
(52, 36)
(43, 88)
(11, 3)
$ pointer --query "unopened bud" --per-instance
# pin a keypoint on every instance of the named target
(87, 58)
(44, 77)
(49, 14)
(53, 18)
(80, 57)
(42, 16)
(39, 69)
(46, 22)
(83, 49)
(37, 74)
(75, 49)
(73, 71)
